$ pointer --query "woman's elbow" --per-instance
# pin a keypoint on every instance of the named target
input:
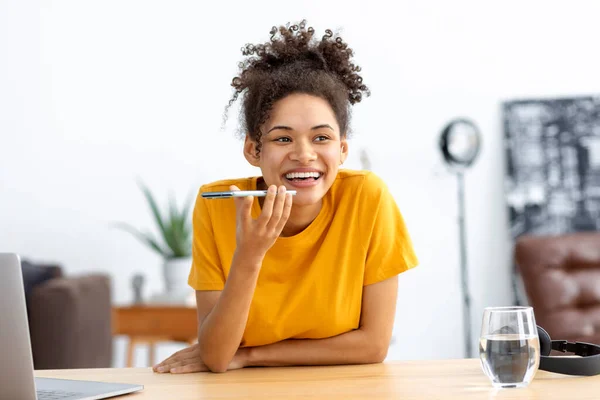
(377, 353)
(214, 362)
(217, 369)
(217, 366)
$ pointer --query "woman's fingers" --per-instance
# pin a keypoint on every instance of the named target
(285, 213)
(166, 365)
(188, 368)
(277, 213)
(267, 208)
(184, 354)
(190, 355)
(173, 358)
(183, 362)
(243, 206)
(269, 224)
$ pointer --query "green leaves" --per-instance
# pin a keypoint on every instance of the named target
(175, 229)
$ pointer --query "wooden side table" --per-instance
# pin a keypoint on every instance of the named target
(152, 323)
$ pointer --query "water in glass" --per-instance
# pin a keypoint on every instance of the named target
(509, 346)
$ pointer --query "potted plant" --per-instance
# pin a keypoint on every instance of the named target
(173, 244)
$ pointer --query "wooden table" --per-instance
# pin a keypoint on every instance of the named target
(150, 324)
(447, 379)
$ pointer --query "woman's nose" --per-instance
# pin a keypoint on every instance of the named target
(304, 153)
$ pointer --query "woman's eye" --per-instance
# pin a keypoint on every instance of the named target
(321, 138)
(282, 139)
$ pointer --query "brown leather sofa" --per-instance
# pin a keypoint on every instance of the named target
(69, 317)
(561, 277)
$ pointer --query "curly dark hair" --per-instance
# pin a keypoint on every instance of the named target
(293, 61)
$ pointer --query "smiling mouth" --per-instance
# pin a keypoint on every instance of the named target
(303, 176)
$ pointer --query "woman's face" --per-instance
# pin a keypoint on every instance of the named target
(302, 147)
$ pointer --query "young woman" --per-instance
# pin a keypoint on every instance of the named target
(309, 279)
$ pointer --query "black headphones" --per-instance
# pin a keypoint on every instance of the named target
(587, 365)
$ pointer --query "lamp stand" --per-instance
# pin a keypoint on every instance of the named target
(463, 263)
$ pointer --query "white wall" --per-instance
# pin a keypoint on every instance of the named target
(95, 94)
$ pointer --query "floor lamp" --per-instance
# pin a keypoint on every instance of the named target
(460, 143)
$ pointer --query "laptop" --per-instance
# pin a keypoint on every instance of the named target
(17, 379)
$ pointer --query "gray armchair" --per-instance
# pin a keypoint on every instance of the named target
(69, 318)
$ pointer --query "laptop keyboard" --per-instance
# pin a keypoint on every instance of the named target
(57, 394)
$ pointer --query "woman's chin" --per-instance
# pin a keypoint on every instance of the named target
(304, 199)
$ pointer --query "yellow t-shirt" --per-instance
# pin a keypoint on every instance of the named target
(310, 285)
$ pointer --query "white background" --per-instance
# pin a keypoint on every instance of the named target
(94, 94)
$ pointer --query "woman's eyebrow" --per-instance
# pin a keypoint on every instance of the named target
(322, 126)
(287, 128)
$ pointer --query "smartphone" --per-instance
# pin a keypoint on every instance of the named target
(239, 193)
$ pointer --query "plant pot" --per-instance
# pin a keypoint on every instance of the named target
(175, 275)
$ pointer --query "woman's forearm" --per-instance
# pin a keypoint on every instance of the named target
(354, 347)
(221, 331)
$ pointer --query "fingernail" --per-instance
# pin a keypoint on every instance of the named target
(272, 189)
(173, 370)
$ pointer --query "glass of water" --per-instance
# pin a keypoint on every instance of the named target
(509, 346)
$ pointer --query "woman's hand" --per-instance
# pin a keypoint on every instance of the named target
(255, 237)
(188, 360)
(183, 361)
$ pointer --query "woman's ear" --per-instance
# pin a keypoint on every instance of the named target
(343, 150)
(250, 151)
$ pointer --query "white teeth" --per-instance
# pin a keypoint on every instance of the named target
(295, 175)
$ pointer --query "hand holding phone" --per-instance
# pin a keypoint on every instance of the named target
(254, 237)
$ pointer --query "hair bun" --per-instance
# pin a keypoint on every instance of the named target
(296, 44)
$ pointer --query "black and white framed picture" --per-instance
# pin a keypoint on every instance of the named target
(552, 180)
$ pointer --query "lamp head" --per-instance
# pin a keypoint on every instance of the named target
(460, 142)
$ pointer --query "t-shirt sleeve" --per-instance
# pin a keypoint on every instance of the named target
(206, 272)
(390, 250)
